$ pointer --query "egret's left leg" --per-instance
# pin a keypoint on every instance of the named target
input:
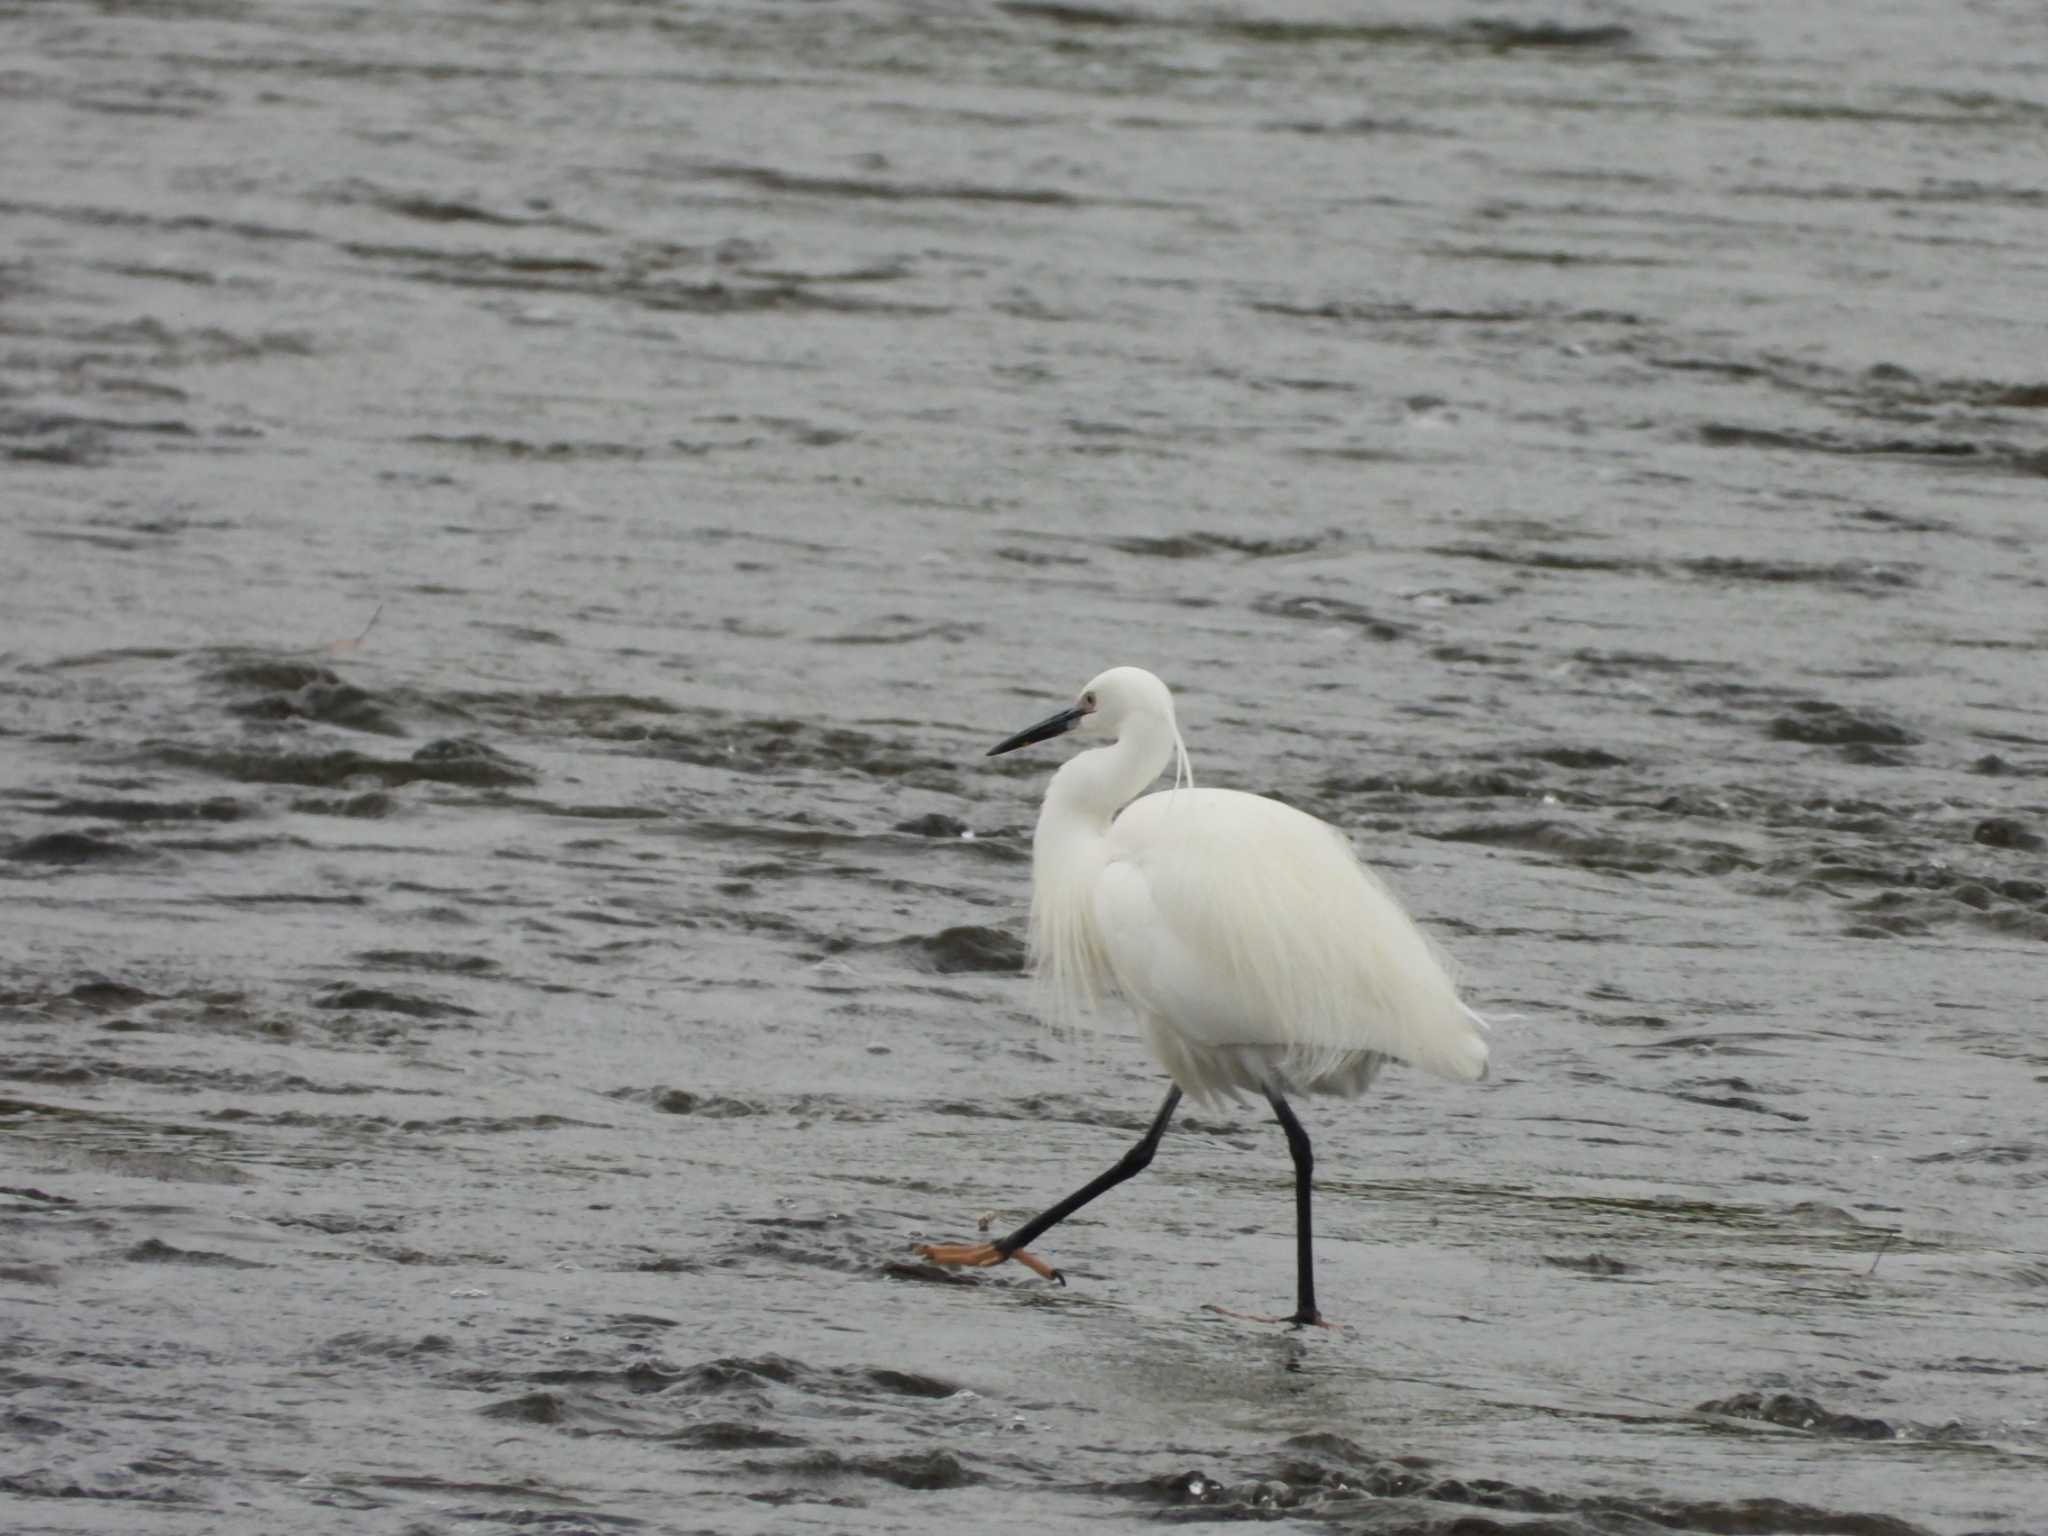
(1132, 1163)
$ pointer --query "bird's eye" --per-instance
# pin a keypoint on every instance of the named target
(1088, 699)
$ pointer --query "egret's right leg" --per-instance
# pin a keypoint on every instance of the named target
(1133, 1162)
(1305, 1313)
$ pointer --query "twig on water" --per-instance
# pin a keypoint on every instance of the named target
(337, 647)
(1881, 1247)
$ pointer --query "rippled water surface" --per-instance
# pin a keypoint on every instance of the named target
(518, 521)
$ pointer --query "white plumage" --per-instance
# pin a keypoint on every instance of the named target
(1257, 951)
(1260, 955)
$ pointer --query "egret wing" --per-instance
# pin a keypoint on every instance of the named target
(1240, 921)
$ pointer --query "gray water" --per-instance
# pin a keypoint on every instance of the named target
(518, 522)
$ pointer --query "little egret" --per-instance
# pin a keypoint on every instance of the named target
(1259, 954)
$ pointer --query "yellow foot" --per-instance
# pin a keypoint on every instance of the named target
(981, 1255)
(1318, 1321)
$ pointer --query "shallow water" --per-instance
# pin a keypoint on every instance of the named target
(520, 522)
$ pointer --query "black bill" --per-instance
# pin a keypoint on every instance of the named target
(1045, 730)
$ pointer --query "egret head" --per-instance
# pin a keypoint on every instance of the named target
(1109, 703)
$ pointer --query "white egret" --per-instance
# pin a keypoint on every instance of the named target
(1259, 954)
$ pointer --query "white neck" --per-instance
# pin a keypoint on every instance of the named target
(1091, 788)
(1067, 854)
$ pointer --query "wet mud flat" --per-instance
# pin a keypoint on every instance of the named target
(517, 525)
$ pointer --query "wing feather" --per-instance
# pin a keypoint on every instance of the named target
(1236, 920)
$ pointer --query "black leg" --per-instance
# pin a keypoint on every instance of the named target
(1132, 1162)
(1304, 1171)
